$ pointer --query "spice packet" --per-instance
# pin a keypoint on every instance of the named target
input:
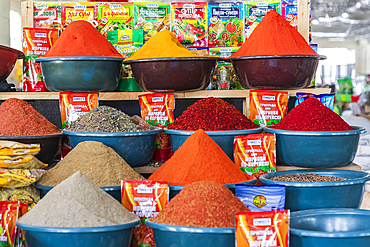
(189, 23)
(254, 11)
(16, 178)
(36, 42)
(326, 99)
(254, 154)
(9, 214)
(267, 228)
(126, 42)
(261, 197)
(29, 195)
(289, 11)
(157, 108)
(267, 107)
(47, 15)
(115, 16)
(78, 11)
(21, 162)
(146, 199)
(17, 148)
(225, 24)
(152, 17)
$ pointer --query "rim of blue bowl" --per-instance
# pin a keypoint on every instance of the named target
(230, 186)
(189, 229)
(321, 57)
(79, 229)
(356, 131)
(105, 188)
(112, 134)
(79, 58)
(361, 179)
(215, 133)
(30, 137)
(171, 59)
(331, 211)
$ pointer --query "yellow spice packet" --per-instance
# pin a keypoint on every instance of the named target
(16, 148)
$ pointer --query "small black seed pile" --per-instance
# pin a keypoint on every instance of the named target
(307, 178)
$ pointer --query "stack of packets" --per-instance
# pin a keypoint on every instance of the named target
(145, 199)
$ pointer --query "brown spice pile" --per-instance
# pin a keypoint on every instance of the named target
(307, 178)
(96, 161)
(18, 118)
(202, 204)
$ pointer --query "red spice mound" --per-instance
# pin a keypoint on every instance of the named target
(312, 115)
(199, 159)
(18, 118)
(202, 204)
(80, 38)
(212, 114)
(274, 36)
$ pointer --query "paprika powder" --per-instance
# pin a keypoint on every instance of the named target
(274, 36)
(199, 159)
(80, 38)
(312, 115)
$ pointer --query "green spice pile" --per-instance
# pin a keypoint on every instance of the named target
(202, 204)
(105, 119)
(212, 114)
(307, 178)
(77, 202)
(95, 160)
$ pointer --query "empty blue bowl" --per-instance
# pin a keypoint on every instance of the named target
(136, 148)
(184, 236)
(105, 236)
(316, 149)
(340, 227)
(81, 74)
(114, 191)
(225, 139)
(175, 189)
(311, 195)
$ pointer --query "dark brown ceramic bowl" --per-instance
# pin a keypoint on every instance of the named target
(276, 72)
(8, 58)
(173, 74)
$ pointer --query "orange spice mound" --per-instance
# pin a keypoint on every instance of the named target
(80, 38)
(202, 204)
(18, 118)
(199, 159)
(274, 36)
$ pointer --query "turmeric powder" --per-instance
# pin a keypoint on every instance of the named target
(162, 44)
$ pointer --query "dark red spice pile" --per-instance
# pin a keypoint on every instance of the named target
(202, 204)
(18, 118)
(312, 115)
(212, 114)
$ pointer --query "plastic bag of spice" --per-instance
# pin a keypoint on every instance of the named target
(21, 162)
(255, 153)
(16, 178)
(267, 107)
(9, 213)
(28, 195)
(267, 228)
(17, 148)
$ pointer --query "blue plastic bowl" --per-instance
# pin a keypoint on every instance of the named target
(311, 195)
(175, 189)
(136, 148)
(225, 139)
(316, 149)
(106, 236)
(184, 236)
(340, 227)
(81, 74)
(114, 191)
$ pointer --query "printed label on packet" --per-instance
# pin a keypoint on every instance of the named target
(9, 213)
(262, 229)
(115, 16)
(78, 11)
(255, 154)
(47, 15)
(157, 108)
(267, 107)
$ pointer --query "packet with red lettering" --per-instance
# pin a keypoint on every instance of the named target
(267, 107)
(78, 11)
(47, 15)
(146, 199)
(9, 213)
(36, 42)
(265, 229)
(254, 154)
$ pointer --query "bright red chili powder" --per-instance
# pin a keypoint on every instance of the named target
(202, 204)
(18, 118)
(211, 114)
(312, 115)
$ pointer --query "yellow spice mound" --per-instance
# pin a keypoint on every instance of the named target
(162, 44)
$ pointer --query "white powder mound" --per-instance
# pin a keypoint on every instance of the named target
(77, 202)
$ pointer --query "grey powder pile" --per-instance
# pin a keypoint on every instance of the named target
(77, 202)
